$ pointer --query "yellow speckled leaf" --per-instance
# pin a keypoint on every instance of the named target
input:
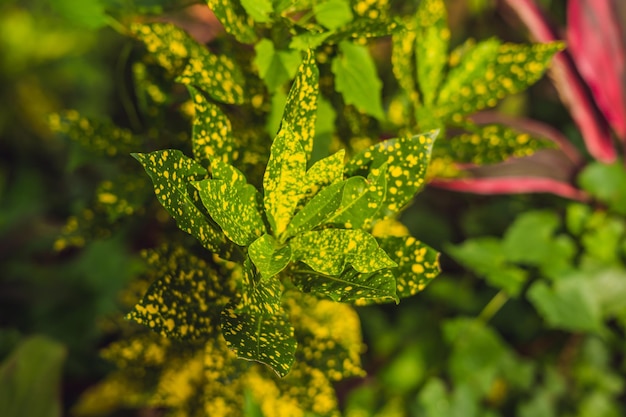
(490, 144)
(330, 251)
(216, 75)
(490, 71)
(235, 19)
(212, 133)
(187, 298)
(317, 211)
(171, 172)
(324, 172)
(403, 60)
(301, 107)
(234, 205)
(282, 181)
(407, 160)
(431, 50)
(268, 256)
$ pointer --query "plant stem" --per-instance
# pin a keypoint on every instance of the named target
(493, 306)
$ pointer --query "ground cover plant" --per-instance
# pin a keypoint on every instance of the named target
(264, 181)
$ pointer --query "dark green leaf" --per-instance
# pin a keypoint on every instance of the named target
(329, 251)
(268, 257)
(350, 286)
(212, 137)
(90, 15)
(357, 80)
(407, 160)
(171, 172)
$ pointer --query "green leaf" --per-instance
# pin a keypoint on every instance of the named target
(407, 160)
(89, 15)
(569, 304)
(259, 10)
(402, 60)
(431, 47)
(186, 299)
(234, 205)
(357, 80)
(217, 75)
(607, 183)
(212, 136)
(30, 379)
(275, 67)
(308, 40)
(332, 14)
(171, 172)
(350, 286)
(235, 20)
(282, 181)
(301, 108)
(489, 144)
(365, 28)
(316, 211)
(260, 336)
(490, 71)
(324, 172)
(361, 200)
(329, 251)
(417, 263)
(268, 256)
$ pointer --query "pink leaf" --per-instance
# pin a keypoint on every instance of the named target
(568, 82)
(512, 185)
(596, 44)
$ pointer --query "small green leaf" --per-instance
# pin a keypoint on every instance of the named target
(361, 201)
(259, 10)
(417, 263)
(186, 299)
(308, 40)
(217, 75)
(275, 67)
(212, 136)
(329, 251)
(332, 14)
(407, 160)
(316, 211)
(491, 144)
(301, 107)
(260, 336)
(431, 51)
(350, 286)
(357, 80)
(607, 183)
(282, 182)
(234, 205)
(171, 172)
(235, 20)
(268, 256)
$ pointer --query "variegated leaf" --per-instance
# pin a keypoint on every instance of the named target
(407, 160)
(347, 287)
(431, 47)
(301, 107)
(268, 256)
(490, 144)
(330, 251)
(490, 71)
(216, 75)
(171, 172)
(212, 137)
(403, 60)
(235, 19)
(324, 172)
(187, 298)
(362, 200)
(282, 181)
(260, 336)
(316, 211)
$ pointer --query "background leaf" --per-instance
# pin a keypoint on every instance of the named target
(235, 19)
(431, 47)
(276, 67)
